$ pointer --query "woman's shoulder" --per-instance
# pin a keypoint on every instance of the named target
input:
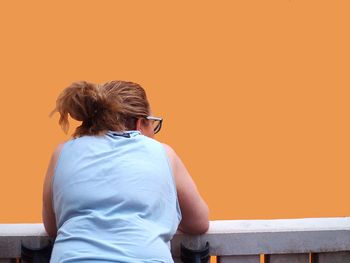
(57, 151)
(169, 150)
(172, 156)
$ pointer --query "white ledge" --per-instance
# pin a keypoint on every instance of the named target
(22, 230)
(279, 225)
(219, 226)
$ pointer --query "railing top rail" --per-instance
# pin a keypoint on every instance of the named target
(279, 225)
(219, 226)
(226, 237)
(15, 230)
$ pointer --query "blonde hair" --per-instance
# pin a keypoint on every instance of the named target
(115, 106)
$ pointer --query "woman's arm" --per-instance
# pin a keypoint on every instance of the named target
(195, 212)
(47, 209)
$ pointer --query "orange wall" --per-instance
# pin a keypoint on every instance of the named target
(255, 95)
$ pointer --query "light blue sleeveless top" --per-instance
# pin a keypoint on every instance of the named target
(114, 199)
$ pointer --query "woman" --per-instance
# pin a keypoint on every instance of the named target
(113, 193)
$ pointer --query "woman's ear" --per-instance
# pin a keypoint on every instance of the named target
(139, 124)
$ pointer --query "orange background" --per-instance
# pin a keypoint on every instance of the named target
(255, 95)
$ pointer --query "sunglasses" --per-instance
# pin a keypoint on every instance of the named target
(156, 123)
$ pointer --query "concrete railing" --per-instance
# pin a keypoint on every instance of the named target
(319, 240)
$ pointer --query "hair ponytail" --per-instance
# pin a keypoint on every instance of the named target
(111, 106)
(85, 102)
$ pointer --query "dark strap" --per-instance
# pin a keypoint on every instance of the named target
(195, 255)
(41, 255)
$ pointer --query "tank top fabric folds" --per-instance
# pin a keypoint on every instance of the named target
(114, 199)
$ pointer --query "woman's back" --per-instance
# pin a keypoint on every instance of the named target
(114, 199)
